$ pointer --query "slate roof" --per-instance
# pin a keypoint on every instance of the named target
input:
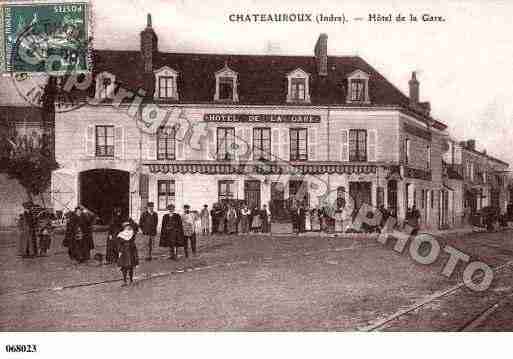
(261, 78)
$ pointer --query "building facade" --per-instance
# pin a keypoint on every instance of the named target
(264, 129)
(479, 180)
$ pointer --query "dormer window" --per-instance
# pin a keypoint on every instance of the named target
(298, 86)
(226, 85)
(358, 87)
(105, 85)
(298, 89)
(165, 79)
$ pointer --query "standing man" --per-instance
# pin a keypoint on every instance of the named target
(171, 232)
(215, 218)
(205, 217)
(148, 224)
(189, 229)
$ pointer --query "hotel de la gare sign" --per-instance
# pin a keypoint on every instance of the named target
(228, 117)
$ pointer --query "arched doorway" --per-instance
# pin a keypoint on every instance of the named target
(103, 189)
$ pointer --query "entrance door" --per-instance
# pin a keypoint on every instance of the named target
(361, 193)
(392, 196)
(278, 208)
(252, 193)
(101, 190)
(298, 193)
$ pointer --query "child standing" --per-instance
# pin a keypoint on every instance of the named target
(45, 236)
(128, 258)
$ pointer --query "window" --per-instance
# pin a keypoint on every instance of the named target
(423, 199)
(357, 90)
(166, 86)
(432, 197)
(226, 190)
(225, 143)
(406, 151)
(166, 143)
(428, 159)
(357, 87)
(298, 144)
(472, 168)
(226, 88)
(105, 83)
(298, 86)
(298, 89)
(226, 85)
(358, 145)
(165, 193)
(105, 141)
(165, 83)
(261, 143)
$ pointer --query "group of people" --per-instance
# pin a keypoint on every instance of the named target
(231, 218)
(35, 231)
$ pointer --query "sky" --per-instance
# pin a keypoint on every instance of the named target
(464, 64)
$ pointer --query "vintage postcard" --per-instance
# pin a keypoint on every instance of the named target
(182, 166)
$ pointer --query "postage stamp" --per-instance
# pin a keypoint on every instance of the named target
(44, 38)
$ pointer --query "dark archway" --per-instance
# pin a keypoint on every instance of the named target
(103, 189)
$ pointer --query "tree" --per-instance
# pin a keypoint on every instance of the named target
(31, 163)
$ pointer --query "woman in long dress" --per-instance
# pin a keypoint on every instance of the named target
(308, 220)
(244, 219)
(316, 223)
(256, 222)
(266, 219)
(111, 255)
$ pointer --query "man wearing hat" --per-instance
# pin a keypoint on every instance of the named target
(171, 232)
(148, 224)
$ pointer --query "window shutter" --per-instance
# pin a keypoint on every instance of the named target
(311, 141)
(345, 145)
(371, 145)
(285, 145)
(152, 147)
(211, 145)
(275, 143)
(119, 142)
(241, 146)
(90, 141)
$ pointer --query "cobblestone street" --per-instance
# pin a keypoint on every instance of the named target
(254, 282)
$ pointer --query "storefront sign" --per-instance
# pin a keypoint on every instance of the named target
(230, 117)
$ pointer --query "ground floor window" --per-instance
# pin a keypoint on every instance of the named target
(226, 190)
(165, 193)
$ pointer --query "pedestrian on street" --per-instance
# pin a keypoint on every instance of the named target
(27, 242)
(148, 223)
(231, 220)
(79, 238)
(115, 226)
(205, 219)
(256, 221)
(266, 219)
(171, 232)
(128, 258)
(45, 235)
(189, 230)
(244, 219)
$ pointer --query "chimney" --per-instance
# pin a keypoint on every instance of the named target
(321, 54)
(471, 144)
(414, 90)
(149, 46)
